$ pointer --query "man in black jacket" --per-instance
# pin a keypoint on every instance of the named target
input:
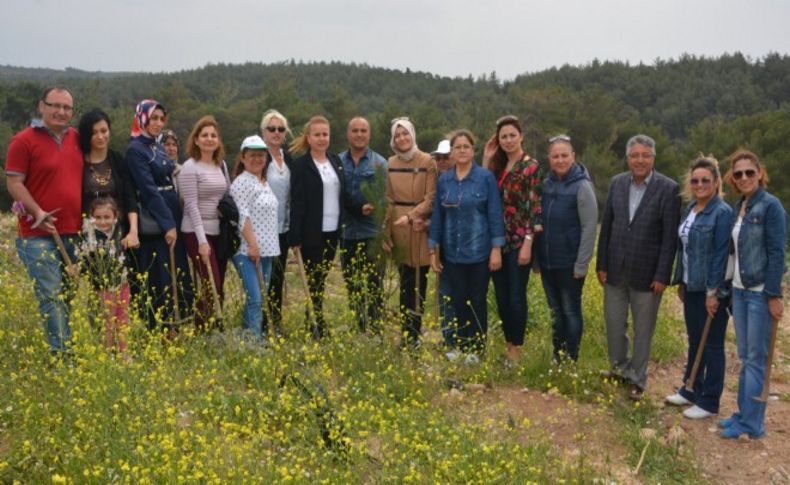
(636, 249)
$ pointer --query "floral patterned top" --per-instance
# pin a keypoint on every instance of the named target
(521, 190)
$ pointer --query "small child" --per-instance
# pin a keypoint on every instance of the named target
(102, 257)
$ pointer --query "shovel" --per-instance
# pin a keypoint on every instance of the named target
(303, 276)
(174, 282)
(698, 358)
(215, 294)
(58, 241)
(763, 397)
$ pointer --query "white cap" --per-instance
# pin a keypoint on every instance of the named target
(443, 148)
(253, 142)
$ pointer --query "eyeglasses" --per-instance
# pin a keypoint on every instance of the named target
(399, 118)
(701, 181)
(58, 106)
(556, 138)
(749, 173)
(272, 129)
(506, 119)
(643, 156)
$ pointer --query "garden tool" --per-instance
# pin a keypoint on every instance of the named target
(763, 397)
(215, 294)
(698, 358)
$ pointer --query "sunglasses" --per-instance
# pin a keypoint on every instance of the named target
(272, 129)
(563, 137)
(701, 181)
(749, 173)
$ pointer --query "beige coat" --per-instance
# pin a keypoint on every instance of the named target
(411, 187)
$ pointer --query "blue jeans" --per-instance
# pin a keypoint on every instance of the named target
(446, 310)
(469, 284)
(42, 259)
(510, 288)
(253, 304)
(752, 334)
(564, 296)
(709, 382)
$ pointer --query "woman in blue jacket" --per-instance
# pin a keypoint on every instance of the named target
(467, 224)
(704, 235)
(759, 237)
(159, 218)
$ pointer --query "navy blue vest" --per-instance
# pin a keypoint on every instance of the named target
(559, 243)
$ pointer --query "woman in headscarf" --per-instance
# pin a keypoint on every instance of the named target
(411, 185)
(159, 218)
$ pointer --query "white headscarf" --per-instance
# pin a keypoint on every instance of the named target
(408, 126)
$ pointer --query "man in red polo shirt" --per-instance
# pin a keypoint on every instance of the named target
(44, 172)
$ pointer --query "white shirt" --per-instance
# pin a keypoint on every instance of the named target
(256, 202)
(279, 180)
(683, 233)
(331, 196)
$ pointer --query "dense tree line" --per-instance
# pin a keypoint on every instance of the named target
(689, 105)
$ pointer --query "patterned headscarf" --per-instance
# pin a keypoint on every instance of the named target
(142, 114)
(408, 126)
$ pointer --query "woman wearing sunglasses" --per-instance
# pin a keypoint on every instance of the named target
(704, 235)
(759, 240)
(520, 179)
(277, 172)
(467, 225)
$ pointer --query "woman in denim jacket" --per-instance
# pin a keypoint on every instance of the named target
(467, 223)
(704, 235)
(759, 237)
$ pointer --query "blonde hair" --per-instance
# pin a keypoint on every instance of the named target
(709, 163)
(300, 143)
(192, 148)
(270, 114)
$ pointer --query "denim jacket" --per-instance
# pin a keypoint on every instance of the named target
(467, 218)
(356, 226)
(707, 248)
(762, 242)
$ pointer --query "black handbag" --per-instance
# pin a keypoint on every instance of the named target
(228, 241)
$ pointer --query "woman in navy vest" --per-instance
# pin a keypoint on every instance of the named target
(565, 248)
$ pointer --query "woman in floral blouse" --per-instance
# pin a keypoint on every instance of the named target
(519, 178)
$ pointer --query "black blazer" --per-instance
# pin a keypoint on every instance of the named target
(307, 200)
(124, 194)
(642, 251)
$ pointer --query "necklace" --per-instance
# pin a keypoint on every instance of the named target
(101, 178)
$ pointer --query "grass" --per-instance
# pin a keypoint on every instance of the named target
(218, 408)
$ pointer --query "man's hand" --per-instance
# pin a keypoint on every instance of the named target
(601, 277)
(658, 287)
(367, 209)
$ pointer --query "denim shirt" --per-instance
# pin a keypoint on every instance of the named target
(467, 219)
(357, 226)
(707, 248)
(762, 242)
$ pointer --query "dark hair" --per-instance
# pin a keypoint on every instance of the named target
(239, 167)
(499, 161)
(105, 202)
(85, 127)
(56, 87)
(743, 154)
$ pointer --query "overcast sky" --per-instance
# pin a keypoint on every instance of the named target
(454, 38)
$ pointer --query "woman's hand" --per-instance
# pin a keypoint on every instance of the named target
(204, 250)
(254, 253)
(712, 304)
(402, 220)
(682, 293)
(495, 260)
(170, 237)
(436, 265)
(525, 253)
(130, 241)
(776, 308)
(489, 150)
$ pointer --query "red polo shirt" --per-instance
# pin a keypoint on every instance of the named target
(53, 175)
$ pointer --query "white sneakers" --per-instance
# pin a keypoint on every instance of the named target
(696, 412)
(677, 400)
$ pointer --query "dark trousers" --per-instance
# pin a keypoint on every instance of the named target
(446, 310)
(564, 296)
(362, 272)
(154, 291)
(469, 289)
(275, 301)
(411, 307)
(318, 261)
(510, 288)
(709, 382)
(204, 301)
